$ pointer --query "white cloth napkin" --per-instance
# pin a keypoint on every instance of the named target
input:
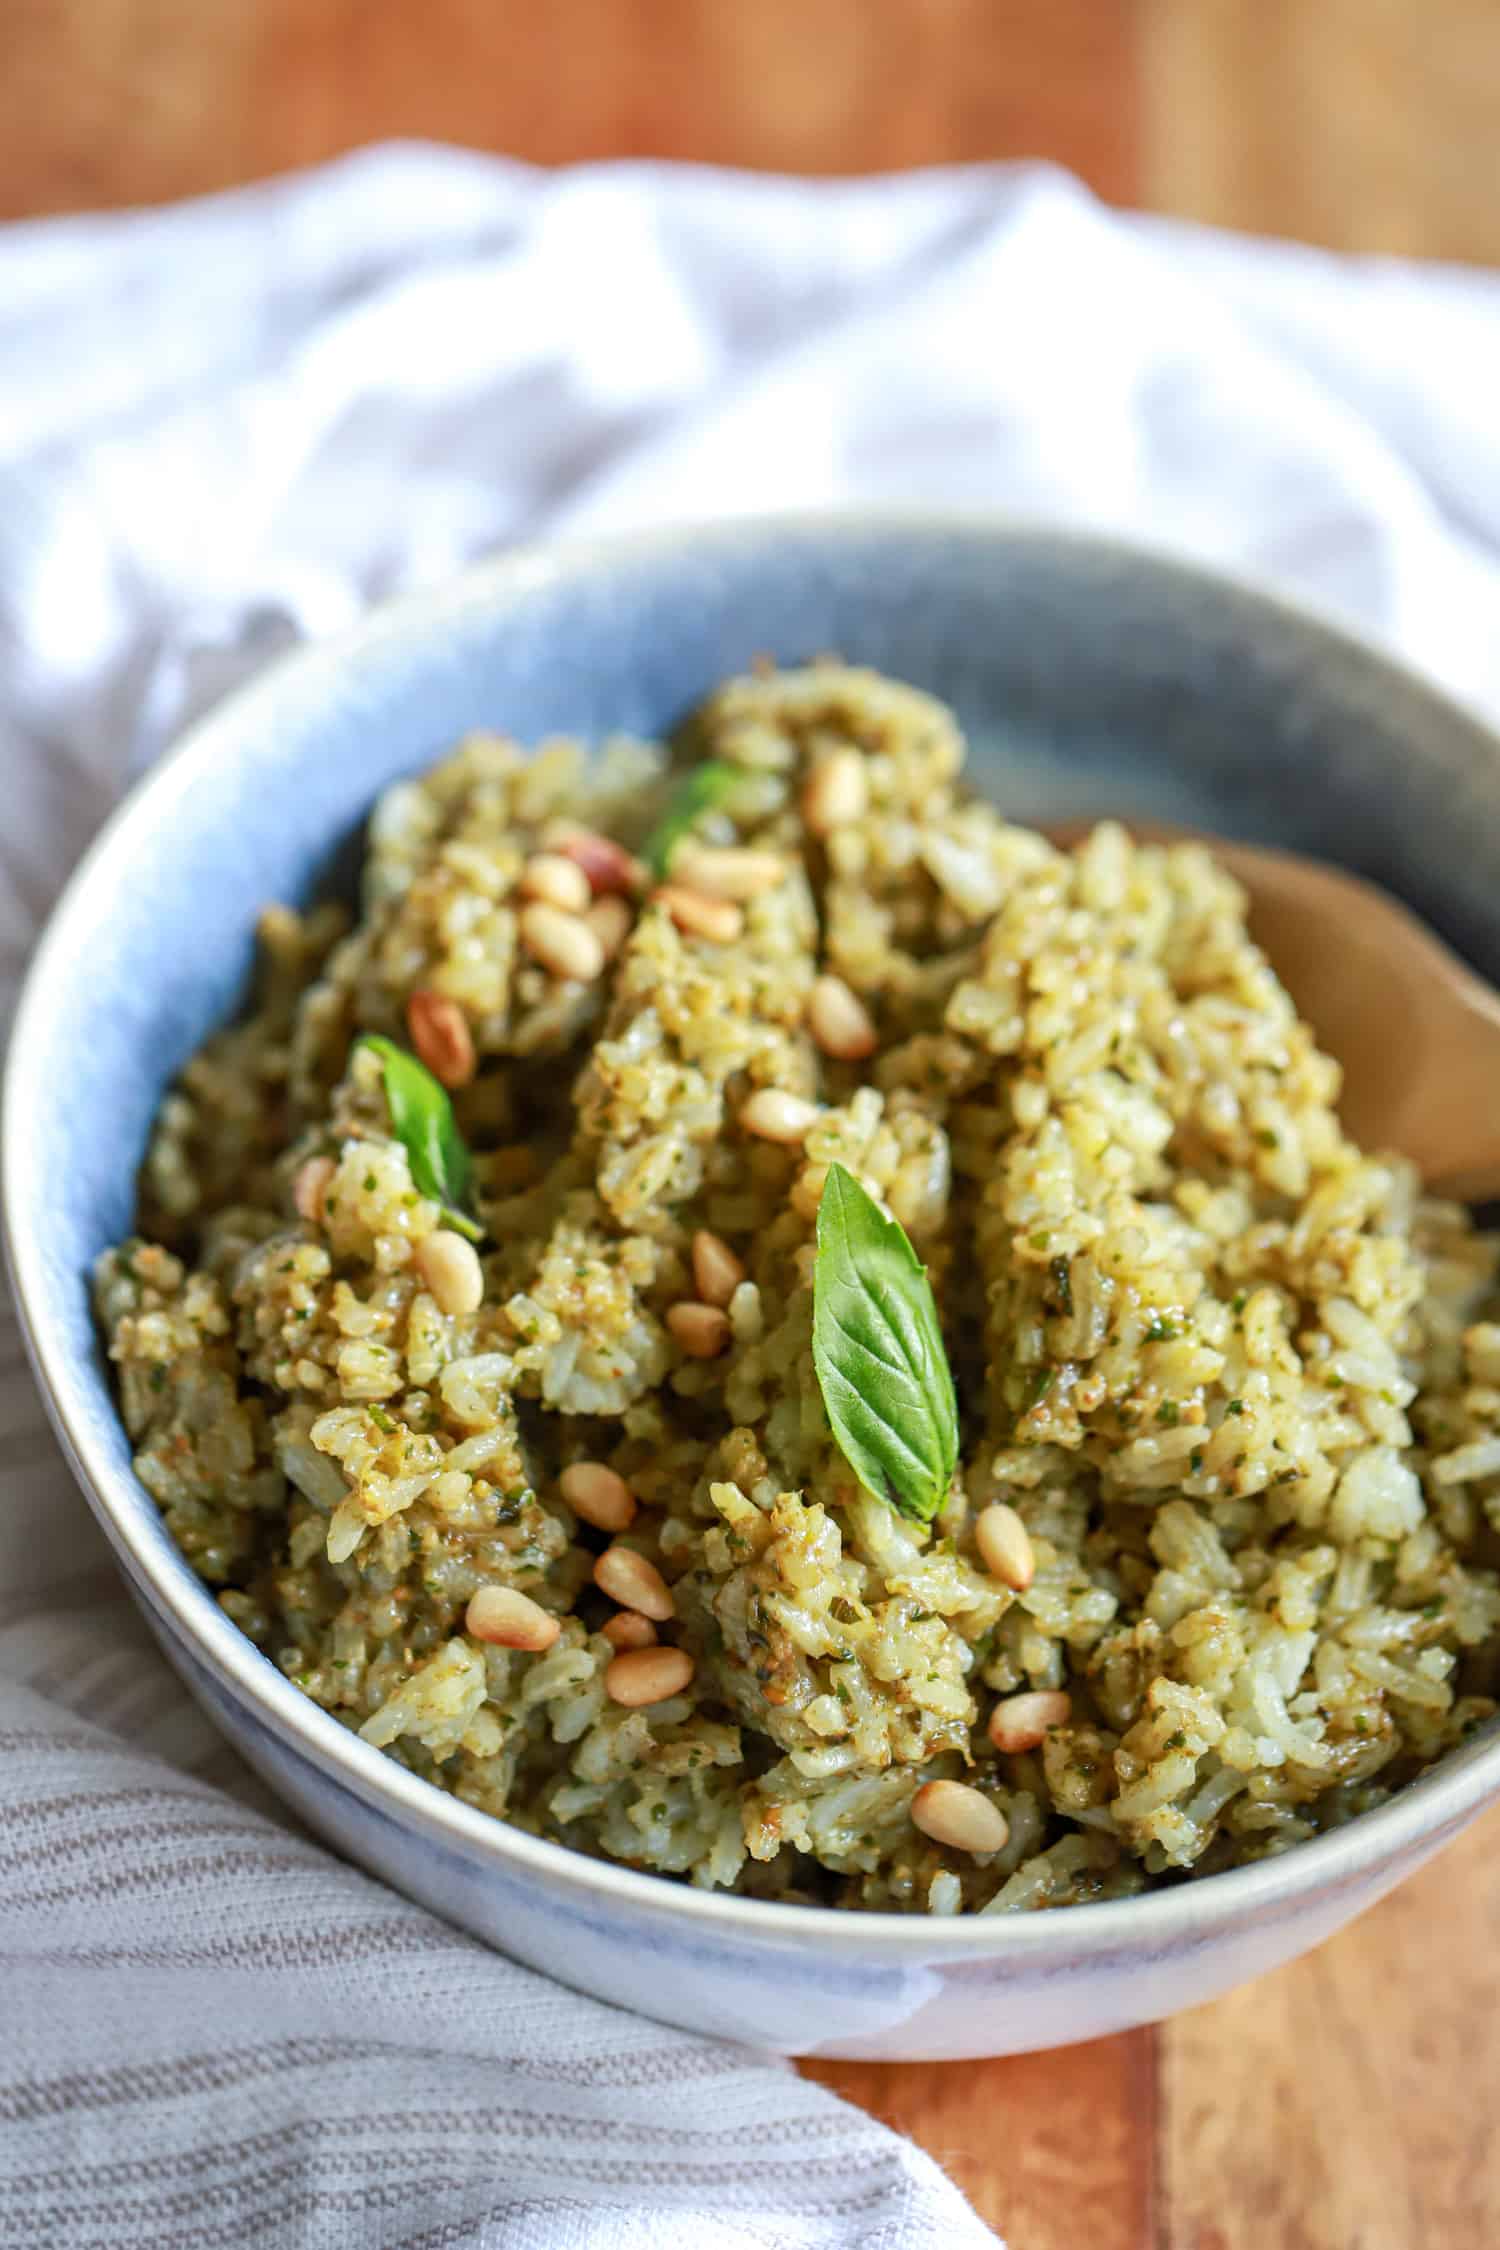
(238, 422)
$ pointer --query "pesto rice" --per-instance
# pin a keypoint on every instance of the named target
(558, 1520)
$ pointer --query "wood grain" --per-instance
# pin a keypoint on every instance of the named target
(1344, 2103)
(124, 101)
(1364, 124)
(1054, 2151)
(1347, 2102)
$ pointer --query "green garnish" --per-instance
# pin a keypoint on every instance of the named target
(699, 792)
(422, 1121)
(382, 1420)
(878, 1351)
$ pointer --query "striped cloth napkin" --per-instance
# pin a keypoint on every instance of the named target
(229, 425)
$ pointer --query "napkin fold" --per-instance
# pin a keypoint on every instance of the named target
(215, 2033)
(232, 424)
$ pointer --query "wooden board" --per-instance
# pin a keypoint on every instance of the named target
(124, 101)
(1363, 124)
(1367, 124)
(1055, 2151)
(1345, 2103)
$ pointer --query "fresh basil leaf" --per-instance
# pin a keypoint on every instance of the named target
(878, 1350)
(706, 786)
(423, 1122)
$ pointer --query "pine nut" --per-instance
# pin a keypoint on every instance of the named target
(557, 881)
(610, 920)
(608, 866)
(717, 1272)
(439, 1031)
(451, 1269)
(697, 915)
(952, 1813)
(278, 928)
(1019, 1722)
(839, 1021)
(509, 1619)
(628, 1629)
(731, 871)
(1005, 1547)
(598, 1495)
(310, 1186)
(776, 1116)
(837, 792)
(647, 1675)
(634, 1583)
(561, 942)
(702, 1331)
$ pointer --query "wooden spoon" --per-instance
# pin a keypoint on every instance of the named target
(1417, 1033)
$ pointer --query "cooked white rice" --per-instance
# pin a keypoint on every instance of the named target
(1236, 1377)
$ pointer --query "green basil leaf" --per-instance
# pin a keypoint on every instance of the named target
(706, 786)
(879, 1355)
(423, 1122)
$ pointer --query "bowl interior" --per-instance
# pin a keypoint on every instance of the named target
(1088, 677)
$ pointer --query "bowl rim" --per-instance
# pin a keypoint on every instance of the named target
(1412, 1822)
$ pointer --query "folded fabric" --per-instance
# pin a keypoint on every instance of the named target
(217, 2033)
(232, 424)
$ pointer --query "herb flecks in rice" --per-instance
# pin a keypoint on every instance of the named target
(1229, 1390)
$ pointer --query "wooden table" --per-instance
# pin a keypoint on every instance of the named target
(1345, 2103)
(1367, 124)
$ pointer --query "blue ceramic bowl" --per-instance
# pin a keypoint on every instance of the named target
(1088, 676)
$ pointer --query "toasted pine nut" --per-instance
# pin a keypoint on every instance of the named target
(598, 1495)
(732, 871)
(952, 1813)
(1004, 1545)
(717, 1272)
(703, 1331)
(839, 1021)
(509, 1619)
(697, 915)
(451, 1269)
(1019, 1722)
(608, 866)
(310, 1186)
(556, 880)
(610, 920)
(439, 1031)
(647, 1675)
(634, 1583)
(278, 927)
(561, 942)
(837, 792)
(776, 1116)
(628, 1629)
